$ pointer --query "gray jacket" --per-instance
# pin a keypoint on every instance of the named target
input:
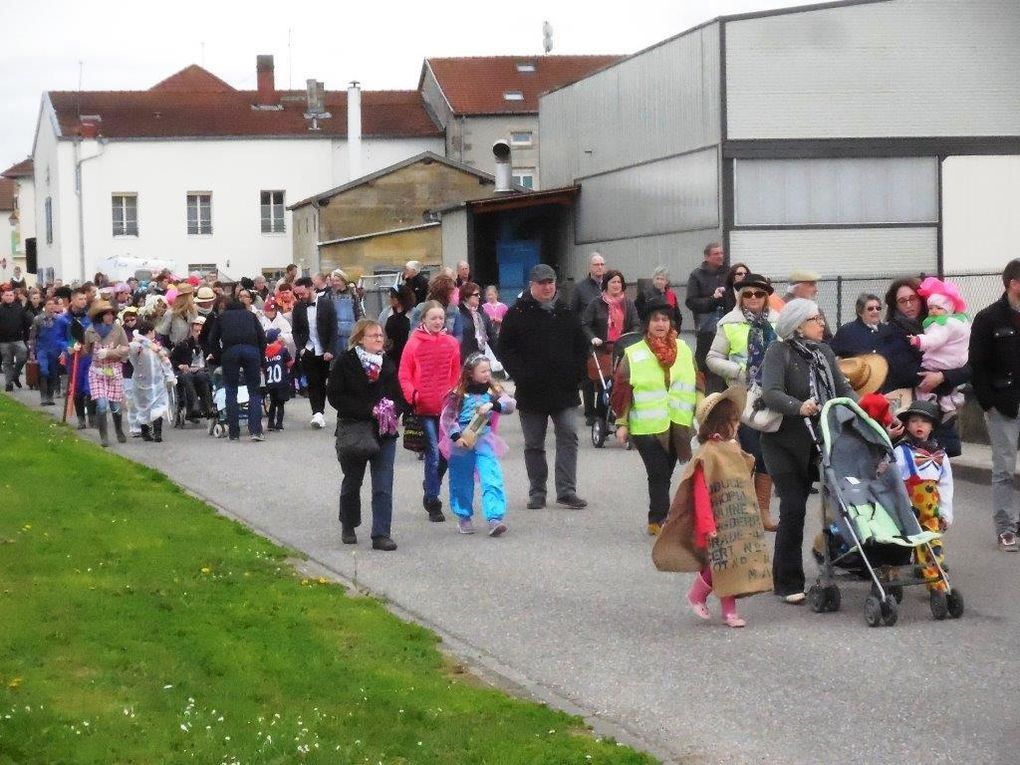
(784, 381)
(701, 287)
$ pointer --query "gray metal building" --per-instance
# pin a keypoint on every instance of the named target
(810, 136)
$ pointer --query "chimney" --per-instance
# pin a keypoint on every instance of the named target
(354, 129)
(89, 126)
(504, 171)
(266, 73)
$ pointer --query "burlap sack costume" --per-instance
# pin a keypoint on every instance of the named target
(738, 555)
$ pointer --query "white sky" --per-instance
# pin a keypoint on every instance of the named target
(132, 46)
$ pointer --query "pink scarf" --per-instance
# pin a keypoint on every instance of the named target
(614, 326)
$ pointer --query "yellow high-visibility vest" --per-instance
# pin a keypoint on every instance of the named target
(654, 406)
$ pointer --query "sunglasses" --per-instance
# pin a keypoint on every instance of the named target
(873, 308)
(475, 294)
(907, 300)
(753, 294)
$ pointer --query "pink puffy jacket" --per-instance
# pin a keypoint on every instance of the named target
(429, 369)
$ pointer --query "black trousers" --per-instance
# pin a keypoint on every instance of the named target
(317, 372)
(659, 465)
(197, 391)
(793, 489)
(277, 400)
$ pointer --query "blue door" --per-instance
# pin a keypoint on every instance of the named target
(516, 258)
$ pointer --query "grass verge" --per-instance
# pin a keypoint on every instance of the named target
(138, 626)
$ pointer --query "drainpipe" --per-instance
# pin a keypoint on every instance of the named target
(79, 161)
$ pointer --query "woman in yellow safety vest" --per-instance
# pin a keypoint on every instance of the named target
(654, 395)
(741, 339)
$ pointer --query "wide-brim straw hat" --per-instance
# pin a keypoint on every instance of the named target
(800, 275)
(866, 374)
(99, 308)
(205, 295)
(735, 393)
(184, 289)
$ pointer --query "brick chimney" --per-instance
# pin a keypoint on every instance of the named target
(266, 73)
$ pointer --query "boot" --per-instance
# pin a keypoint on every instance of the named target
(157, 430)
(104, 439)
(698, 595)
(118, 427)
(81, 423)
(146, 433)
(763, 490)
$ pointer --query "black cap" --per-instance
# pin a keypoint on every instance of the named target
(927, 409)
(542, 273)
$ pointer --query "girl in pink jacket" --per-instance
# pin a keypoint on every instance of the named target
(946, 339)
(429, 369)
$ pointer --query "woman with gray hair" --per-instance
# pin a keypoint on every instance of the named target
(799, 375)
(659, 290)
(866, 333)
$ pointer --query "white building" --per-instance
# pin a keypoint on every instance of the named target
(197, 172)
(17, 219)
(858, 138)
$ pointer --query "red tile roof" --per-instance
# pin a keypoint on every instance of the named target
(195, 103)
(22, 169)
(476, 85)
(8, 190)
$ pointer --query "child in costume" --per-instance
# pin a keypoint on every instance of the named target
(278, 364)
(714, 526)
(946, 339)
(925, 469)
(152, 378)
(468, 424)
(107, 344)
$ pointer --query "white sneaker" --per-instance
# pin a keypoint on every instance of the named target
(318, 421)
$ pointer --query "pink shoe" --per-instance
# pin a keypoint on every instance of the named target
(697, 595)
(729, 613)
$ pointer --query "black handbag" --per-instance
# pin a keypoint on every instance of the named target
(414, 434)
(356, 440)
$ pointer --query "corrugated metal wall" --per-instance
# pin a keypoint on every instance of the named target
(901, 68)
(835, 252)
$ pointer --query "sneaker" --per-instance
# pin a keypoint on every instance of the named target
(794, 598)
(383, 543)
(497, 528)
(536, 503)
(1007, 541)
(348, 537)
(571, 501)
(318, 420)
(464, 526)
(258, 437)
(654, 529)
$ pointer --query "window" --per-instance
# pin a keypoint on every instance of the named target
(203, 268)
(525, 67)
(49, 220)
(521, 137)
(525, 176)
(199, 213)
(125, 215)
(513, 95)
(272, 212)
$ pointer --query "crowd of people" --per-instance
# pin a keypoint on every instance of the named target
(440, 356)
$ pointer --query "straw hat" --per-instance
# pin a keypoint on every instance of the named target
(735, 393)
(185, 289)
(99, 308)
(205, 295)
(800, 275)
(866, 373)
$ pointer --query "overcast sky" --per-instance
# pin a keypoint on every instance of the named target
(130, 46)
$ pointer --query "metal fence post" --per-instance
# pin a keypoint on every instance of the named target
(839, 301)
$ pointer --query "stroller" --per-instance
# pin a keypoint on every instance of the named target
(218, 424)
(873, 528)
(604, 425)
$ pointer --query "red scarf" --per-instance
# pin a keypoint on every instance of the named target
(664, 349)
(614, 327)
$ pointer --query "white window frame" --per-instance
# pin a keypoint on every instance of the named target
(513, 95)
(277, 225)
(520, 173)
(526, 67)
(526, 142)
(200, 229)
(122, 226)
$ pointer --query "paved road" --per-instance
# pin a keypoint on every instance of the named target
(570, 602)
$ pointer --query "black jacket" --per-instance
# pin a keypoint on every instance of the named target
(545, 353)
(419, 284)
(650, 294)
(995, 358)
(595, 320)
(585, 291)
(15, 322)
(237, 326)
(325, 323)
(182, 353)
(353, 395)
(465, 327)
(701, 287)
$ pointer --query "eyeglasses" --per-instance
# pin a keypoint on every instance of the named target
(819, 319)
(907, 300)
(872, 308)
(373, 334)
(475, 294)
(754, 294)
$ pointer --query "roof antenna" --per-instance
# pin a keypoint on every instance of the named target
(290, 61)
(202, 44)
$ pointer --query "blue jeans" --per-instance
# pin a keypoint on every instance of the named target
(235, 359)
(382, 489)
(435, 462)
(463, 464)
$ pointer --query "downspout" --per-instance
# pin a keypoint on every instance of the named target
(79, 161)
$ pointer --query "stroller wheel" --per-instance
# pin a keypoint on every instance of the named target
(890, 613)
(896, 590)
(872, 611)
(833, 600)
(939, 603)
(816, 598)
(219, 431)
(954, 601)
(598, 433)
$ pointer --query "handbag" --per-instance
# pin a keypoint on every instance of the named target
(356, 440)
(758, 416)
(414, 434)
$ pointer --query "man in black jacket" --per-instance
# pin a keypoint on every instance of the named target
(314, 325)
(706, 291)
(542, 346)
(15, 323)
(995, 361)
(585, 292)
(239, 346)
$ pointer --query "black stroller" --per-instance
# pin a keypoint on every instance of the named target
(604, 425)
(872, 529)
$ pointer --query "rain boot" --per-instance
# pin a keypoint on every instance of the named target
(104, 438)
(146, 433)
(698, 595)
(118, 426)
(157, 430)
(763, 490)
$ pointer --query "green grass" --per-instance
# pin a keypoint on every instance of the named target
(138, 626)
